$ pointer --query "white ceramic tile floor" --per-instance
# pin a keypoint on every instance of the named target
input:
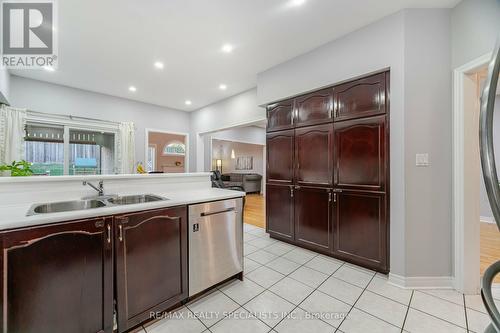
(288, 289)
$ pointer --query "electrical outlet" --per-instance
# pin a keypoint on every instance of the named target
(422, 160)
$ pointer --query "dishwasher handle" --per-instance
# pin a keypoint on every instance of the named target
(204, 214)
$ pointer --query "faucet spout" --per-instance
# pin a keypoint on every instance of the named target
(99, 189)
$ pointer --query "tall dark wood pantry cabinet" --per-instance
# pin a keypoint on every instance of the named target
(328, 171)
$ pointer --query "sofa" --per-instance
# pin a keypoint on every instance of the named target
(251, 182)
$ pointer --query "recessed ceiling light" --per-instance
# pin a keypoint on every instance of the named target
(296, 3)
(159, 65)
(188, 102)
(49, 69)
(227, 48)
(222, 87)
(132, 89)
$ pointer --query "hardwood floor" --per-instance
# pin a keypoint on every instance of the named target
(490, 247)
(255, 210)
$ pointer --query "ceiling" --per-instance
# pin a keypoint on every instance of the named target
(108, 46)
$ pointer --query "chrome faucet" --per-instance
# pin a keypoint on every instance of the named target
(99, 189)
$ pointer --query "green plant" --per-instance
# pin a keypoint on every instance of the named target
(18, 168)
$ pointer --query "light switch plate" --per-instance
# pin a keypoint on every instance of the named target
(422, 160)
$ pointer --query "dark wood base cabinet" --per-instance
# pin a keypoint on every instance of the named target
(328, 171)
(61, 277)
(360, 229)
(58, 278)
(313, 217)
(151, 263)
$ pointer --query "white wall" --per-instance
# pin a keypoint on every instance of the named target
(428, 129)
(248, 134)
(475, 25)
(234, 111)
(374, 47)
(46, 97)
(5, 83)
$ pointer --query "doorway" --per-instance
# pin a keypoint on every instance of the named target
(238, 154)
(166, 152)
(476, 239)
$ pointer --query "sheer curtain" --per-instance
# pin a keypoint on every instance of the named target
(12, 132)
(126, 148)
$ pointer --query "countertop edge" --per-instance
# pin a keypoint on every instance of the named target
(46, 219)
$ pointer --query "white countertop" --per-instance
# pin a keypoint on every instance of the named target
(14, 216)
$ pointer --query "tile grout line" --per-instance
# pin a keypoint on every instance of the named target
(293, 247)
(317, 288)
(298, 305)
(465, 312)
(192, 312)
(268, 288)
(407, 311)
(352, 307)
(436, 317)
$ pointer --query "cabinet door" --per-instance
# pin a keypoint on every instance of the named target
(314, 155)
(151, 263)
(58, 278)
(279, 211)
(360, 229)
(280, 116)
(314, 108)
(280, 157)
(361, 154)
(361, 98)
(312, 218)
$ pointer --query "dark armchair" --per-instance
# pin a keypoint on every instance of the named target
(218, 183)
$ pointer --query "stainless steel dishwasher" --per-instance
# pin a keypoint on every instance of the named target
(215, 243)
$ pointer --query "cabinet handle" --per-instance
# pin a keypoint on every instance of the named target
(329, 196)
(109, 233)
(334, 197)
(120, 233)
(291, 191)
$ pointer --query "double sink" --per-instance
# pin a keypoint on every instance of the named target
(92, 203)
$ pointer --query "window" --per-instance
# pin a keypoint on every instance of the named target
(174, 148)
(44, 147)
(90, 152)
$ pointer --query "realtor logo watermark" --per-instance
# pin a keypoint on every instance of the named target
(29, 38)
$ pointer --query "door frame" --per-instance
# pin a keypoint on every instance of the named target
(146, 144)
(466, 231)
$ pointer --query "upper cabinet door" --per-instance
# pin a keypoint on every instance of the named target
(314, 108)
(58, 278)
(360, 154)
(314, 155)
(279, 211)
(280, 116)
(280, 157)
(151, 263)
(361, 98)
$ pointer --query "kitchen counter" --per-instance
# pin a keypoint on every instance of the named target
(13, 215)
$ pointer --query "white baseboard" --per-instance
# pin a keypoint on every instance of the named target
(487, 219)
(421, 282)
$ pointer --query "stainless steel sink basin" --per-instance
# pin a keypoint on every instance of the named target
(135, 199)
(91, 203)
(65, 206)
